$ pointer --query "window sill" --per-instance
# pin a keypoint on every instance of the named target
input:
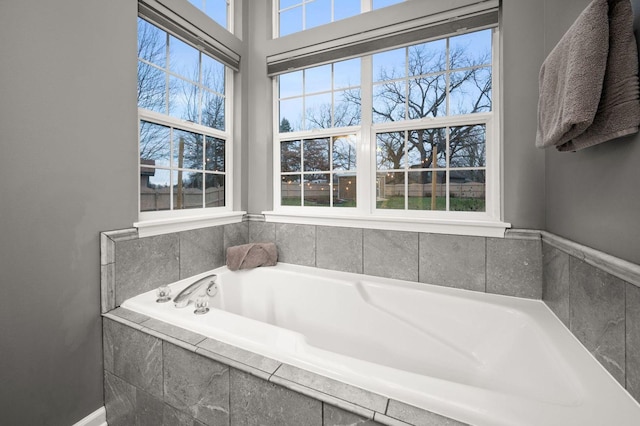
(470, 227)
(148, 228)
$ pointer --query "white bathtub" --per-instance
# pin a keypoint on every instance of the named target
(479, 358)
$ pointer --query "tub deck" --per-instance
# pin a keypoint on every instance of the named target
(478, 358)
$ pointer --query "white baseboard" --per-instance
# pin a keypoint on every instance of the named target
(97, 418)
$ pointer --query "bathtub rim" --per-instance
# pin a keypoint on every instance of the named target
(347, 397)
(172, 333)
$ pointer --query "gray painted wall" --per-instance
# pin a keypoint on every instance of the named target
(592, 196)
(259, 111)
(522, 54)
(67, 171)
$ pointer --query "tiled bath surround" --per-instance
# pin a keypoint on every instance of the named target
(161, 375)
(598, 298)
(600, 308)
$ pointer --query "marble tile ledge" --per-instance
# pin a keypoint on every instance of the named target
(626, 271)
(368, 405)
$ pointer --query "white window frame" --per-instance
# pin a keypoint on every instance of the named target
(366, 215)
(160, 222)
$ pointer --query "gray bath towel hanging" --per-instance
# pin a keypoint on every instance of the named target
(589, 91)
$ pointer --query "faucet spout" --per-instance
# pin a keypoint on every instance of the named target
(206, 285)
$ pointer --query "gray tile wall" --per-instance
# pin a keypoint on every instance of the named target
(601, 310)
(511, 266)
(131, 265)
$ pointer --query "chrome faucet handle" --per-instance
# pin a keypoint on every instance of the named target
(202, 305)
(163, 292)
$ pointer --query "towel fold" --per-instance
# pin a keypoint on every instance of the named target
(589, 90)
(247, 256)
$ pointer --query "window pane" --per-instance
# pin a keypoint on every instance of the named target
(425, 194)
(317, 190)
(290, 190)
(421, 144)
(317, 13)
(467, 190)
(317, 79)
(427, 97)
(214, 190)
(377, 4)
(217, 10)
(290, 156)
(347, 108)
(427, 58)
(470, 49)
(187, 150)
(389, 65)
(390, 190)
(187, 192)
(155, 187)
(345, 8)
(213, 110)
(154, 144)
(291, 115)
(346, 73)
(390, 151)
(467, 146)
(212, 74)
(389, 102)
(344, 189)
(316, 155)
(215, 151)
(344, 153)
(318, 112)
(290, 84)
(183, 59)
(470, 91)
(152, 88)
(152, 43)
(184, 101)
(289, 3)
(291, 21)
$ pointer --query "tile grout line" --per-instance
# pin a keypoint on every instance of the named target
(274, 372)
(626, 289)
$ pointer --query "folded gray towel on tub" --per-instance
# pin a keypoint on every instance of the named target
(247, 256)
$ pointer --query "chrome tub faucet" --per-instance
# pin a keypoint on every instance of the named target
(204, 286)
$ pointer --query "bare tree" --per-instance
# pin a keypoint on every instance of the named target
(426, 96)
(152, 91)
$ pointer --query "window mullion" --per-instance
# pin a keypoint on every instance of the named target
(405, 169)
(365, 159)
(447, 165)
(171, 165)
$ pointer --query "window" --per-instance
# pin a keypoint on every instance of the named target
(183, 143)
(321, 97)
(320, 169)
(300, 15)
(440, 166)
(425, 114)
(218, 10)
